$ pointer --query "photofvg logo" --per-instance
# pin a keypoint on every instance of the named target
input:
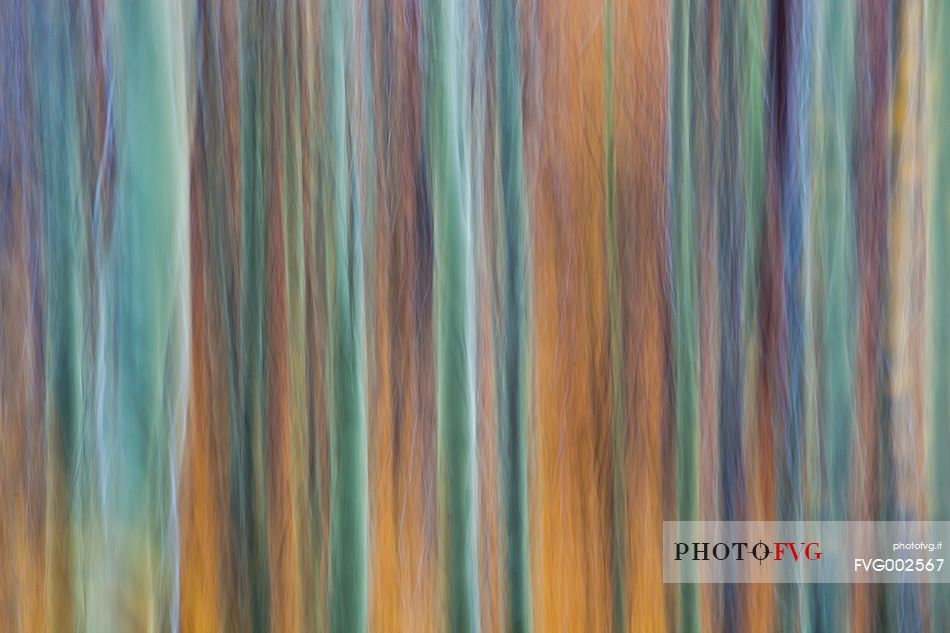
(740, 551)
(804, 552)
